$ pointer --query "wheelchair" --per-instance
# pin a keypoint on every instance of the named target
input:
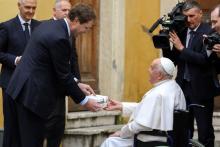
(178, 137)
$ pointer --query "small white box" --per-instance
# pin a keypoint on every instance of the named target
(101, 99)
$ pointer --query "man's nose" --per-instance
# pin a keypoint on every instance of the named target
(31, 11)
(188, 19)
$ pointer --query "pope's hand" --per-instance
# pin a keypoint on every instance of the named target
(113, 105)
(87, 90)
(116, 134)
(92, 105)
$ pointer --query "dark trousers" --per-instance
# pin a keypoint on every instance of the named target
(55, 130)
(55, 124)
(10, 128)
(203, 117)
(24, 128)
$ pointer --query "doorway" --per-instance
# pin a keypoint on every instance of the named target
(87, 50)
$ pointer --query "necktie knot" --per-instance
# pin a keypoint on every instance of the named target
(192, 33)
(26, 24)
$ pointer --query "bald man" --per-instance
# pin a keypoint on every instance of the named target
(14, 35)
(157, 106)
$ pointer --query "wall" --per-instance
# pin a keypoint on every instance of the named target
(8, 9)
(111, 48)
(139, 50)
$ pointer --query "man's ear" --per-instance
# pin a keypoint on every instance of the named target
(160, 76)
(18, 4)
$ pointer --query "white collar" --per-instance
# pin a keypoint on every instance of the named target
(189, 30)
(22, 21)
(68, 27)
(54, 18)
(161, 82)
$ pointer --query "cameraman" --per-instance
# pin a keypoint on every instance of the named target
(193, 74)
(215, 47)
(215, 20)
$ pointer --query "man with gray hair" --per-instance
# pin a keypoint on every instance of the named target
(155, 111)
(14, 35)
(194, 74)
(61, 9)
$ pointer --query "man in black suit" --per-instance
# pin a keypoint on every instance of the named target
(56, 121)
(215, 20)
(194, 73)
(14, 35)
(44, 75)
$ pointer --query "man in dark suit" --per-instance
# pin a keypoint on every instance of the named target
(56, 121)
(43, 76)
(215, 53)
(14, 35)
(194, 74)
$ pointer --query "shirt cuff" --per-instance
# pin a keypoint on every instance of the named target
(76, 80)
(208, 52)
(83, 102)
(15, 62)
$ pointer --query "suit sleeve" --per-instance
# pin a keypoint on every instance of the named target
(128, 108)
(198, 57)
(60, 55)
(215, 60)
(5, 58)
(74, 64)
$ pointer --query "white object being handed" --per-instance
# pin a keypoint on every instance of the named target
(101, 99)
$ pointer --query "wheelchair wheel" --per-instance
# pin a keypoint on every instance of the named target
(195, 143)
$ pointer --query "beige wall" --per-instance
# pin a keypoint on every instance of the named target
(9, 9)
(139, 50)
(44, 10)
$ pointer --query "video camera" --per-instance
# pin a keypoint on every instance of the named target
(211, 40)
(174, 21)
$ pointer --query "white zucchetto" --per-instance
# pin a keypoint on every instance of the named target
(167, 65)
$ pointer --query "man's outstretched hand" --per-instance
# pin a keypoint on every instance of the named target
(92, 105)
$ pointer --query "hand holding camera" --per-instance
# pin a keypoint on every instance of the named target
(211, 41)
(176, 41)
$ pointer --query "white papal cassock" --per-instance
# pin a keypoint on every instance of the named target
(155, 111)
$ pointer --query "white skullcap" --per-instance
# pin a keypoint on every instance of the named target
(167, 65)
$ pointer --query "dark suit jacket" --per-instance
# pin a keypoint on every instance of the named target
(44, 74)
(202, 83)
(215, 61)
(12, 44)
(74, 58)
(60, 106)
(74, 61)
